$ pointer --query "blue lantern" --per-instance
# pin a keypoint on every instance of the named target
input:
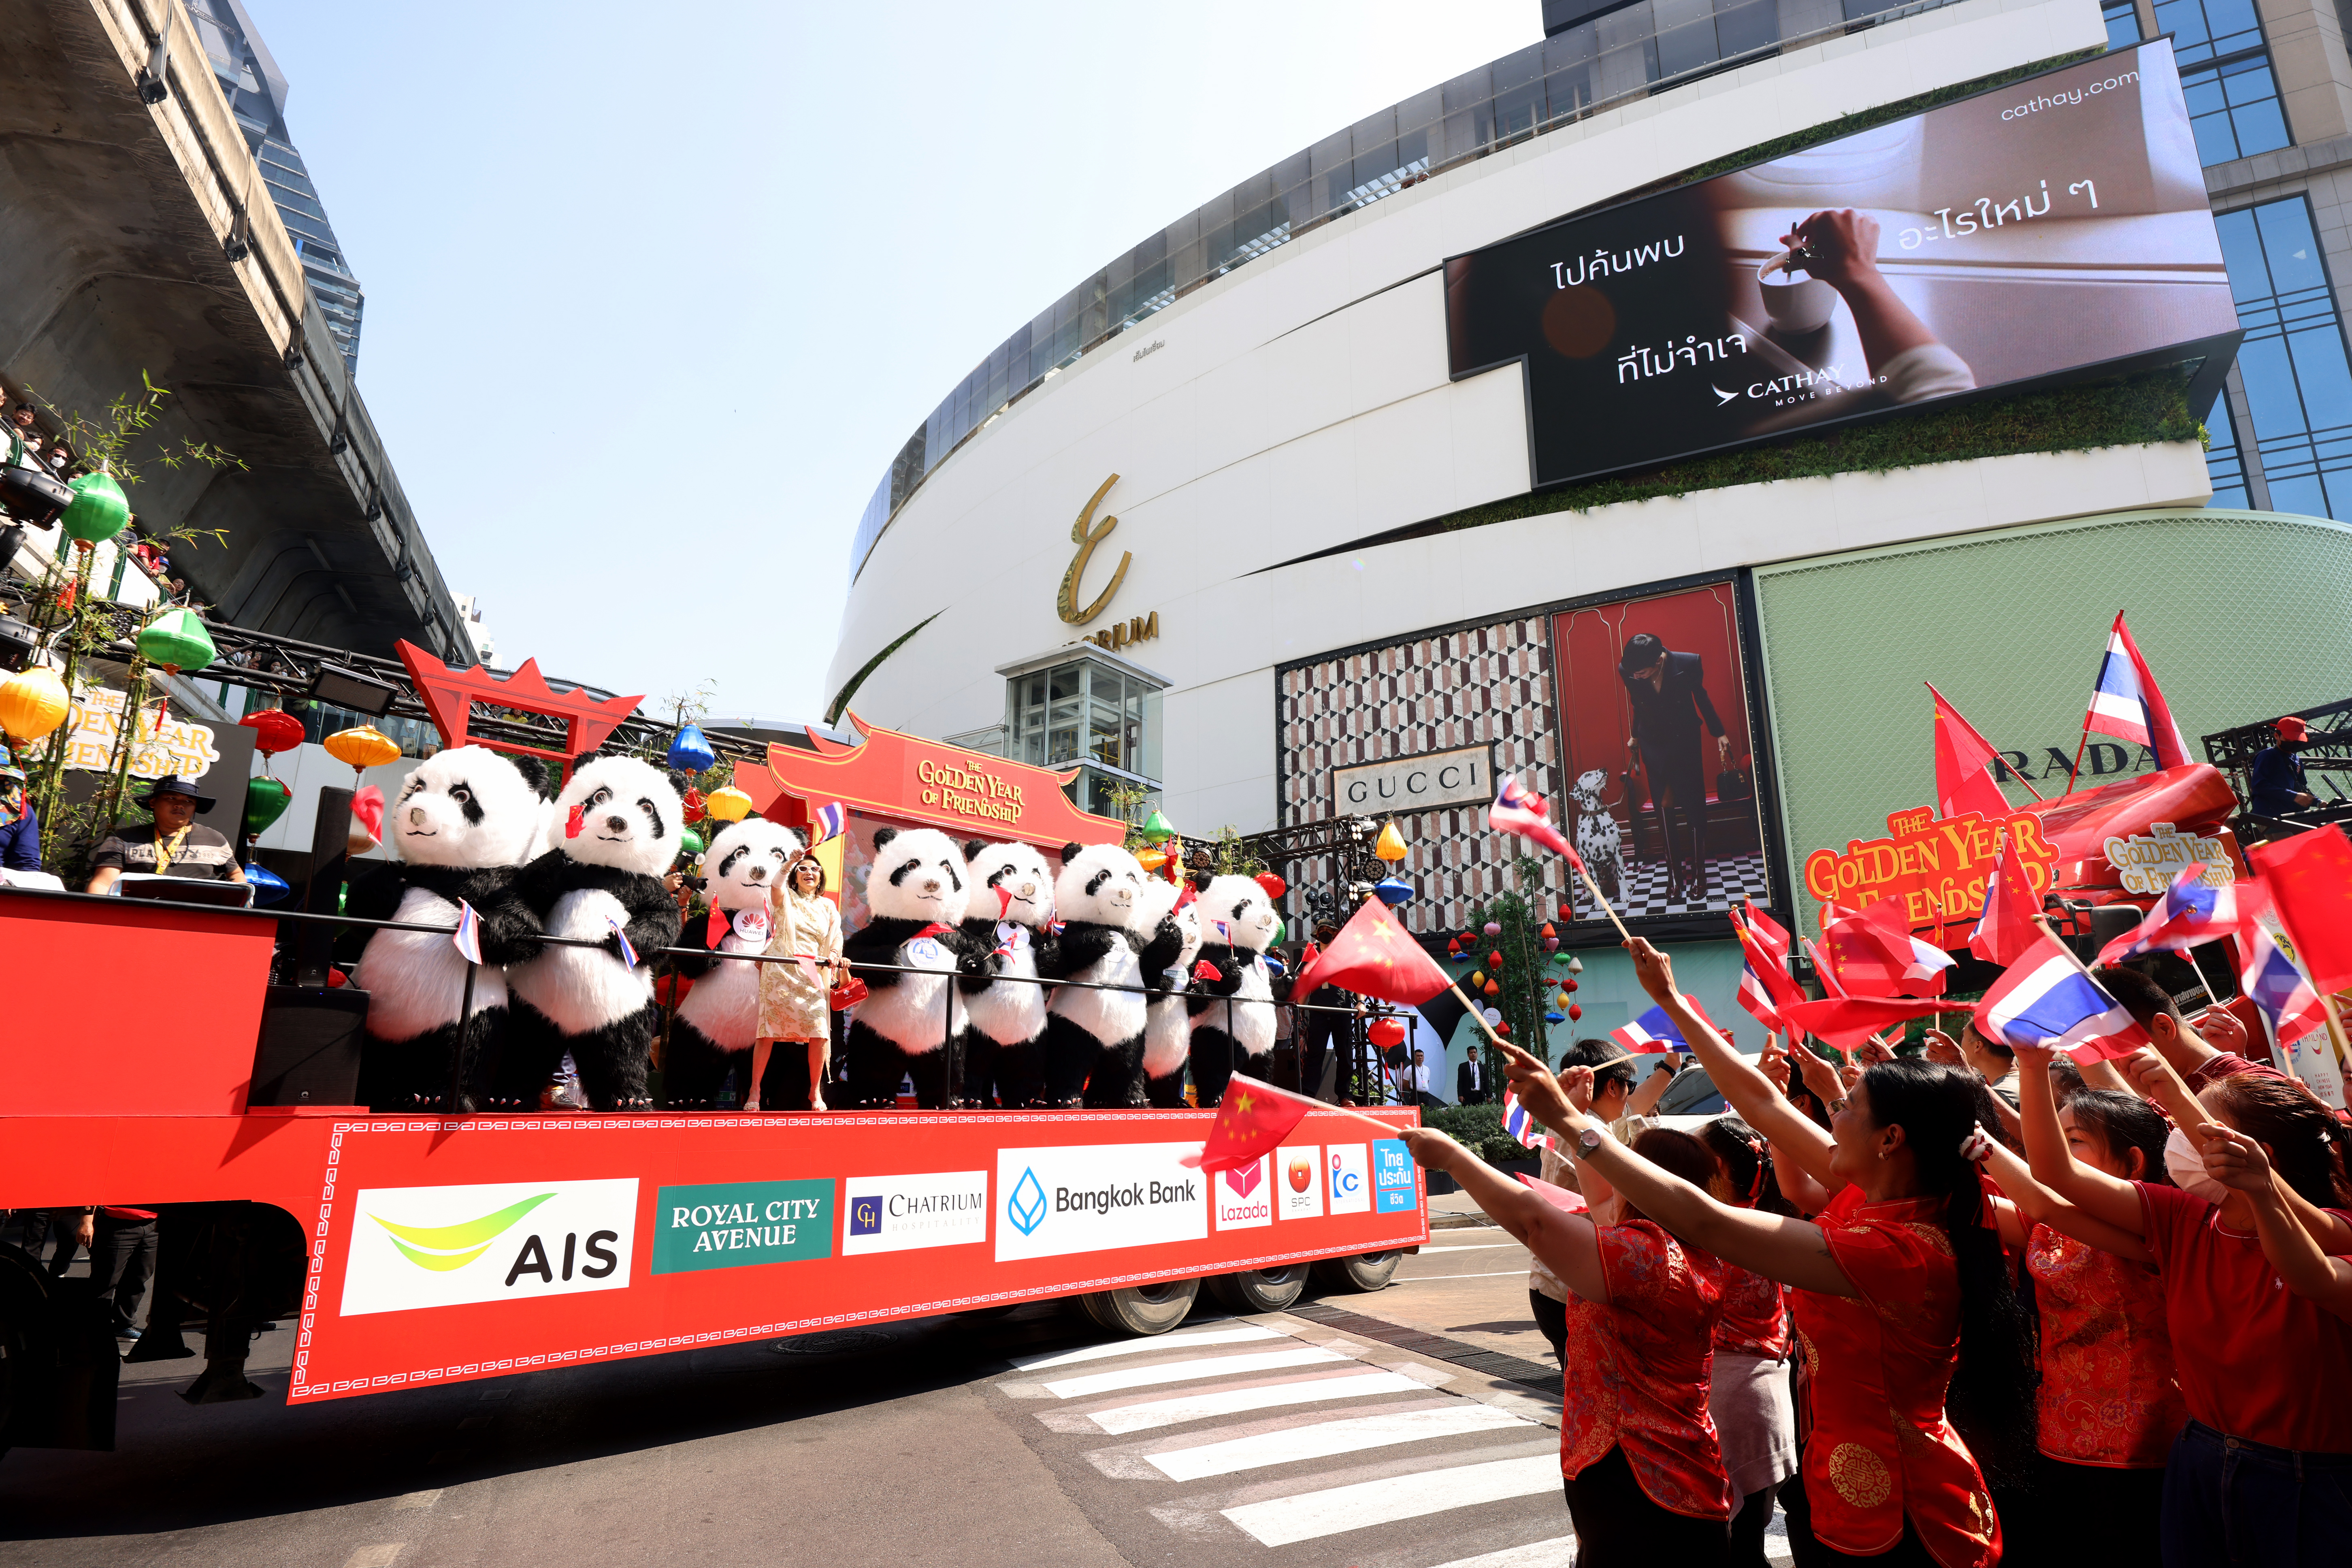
(1275, 967)
(1554, 1017)
(690, 752)
(1392, 890)
(268, 886)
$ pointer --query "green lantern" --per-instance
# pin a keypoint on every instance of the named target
(266, 800)
(98, 510)
(691, 843)
(177, 640)
(1156, 828)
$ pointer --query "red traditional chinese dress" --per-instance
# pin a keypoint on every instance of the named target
(2107, 1391)
(1877, 1367)
(1637, 1371)
(1755, 1315)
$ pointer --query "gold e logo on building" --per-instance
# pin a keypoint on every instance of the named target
(1086, 534)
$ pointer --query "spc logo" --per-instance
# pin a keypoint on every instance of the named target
(444, 1247)
(1300, 1196)
(1350, 1167)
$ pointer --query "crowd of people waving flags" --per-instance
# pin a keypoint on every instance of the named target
(2071, 1289)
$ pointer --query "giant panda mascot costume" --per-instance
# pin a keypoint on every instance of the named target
(620, 826)
(1094, 1038)
(1233, 1015)
(721, 1016)
(1168, 1030)
(917, 894)
(1010, 924)
(462, 826)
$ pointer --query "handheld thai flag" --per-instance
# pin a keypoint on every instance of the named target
(830, 821)
(1654, 1032)
(2278, 988)
(2045, 999)
(2006, 929)
(1520, 1123)
(467, 937)
(628, 953)
(2126, 704)
(1765, 988)
(1769, 934)
(1519, 810)
(2189, 913)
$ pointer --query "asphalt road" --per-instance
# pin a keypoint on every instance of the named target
(1405, 1429)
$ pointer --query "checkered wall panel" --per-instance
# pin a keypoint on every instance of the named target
(1488, 685)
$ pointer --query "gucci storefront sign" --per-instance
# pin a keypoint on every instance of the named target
(1413, 784)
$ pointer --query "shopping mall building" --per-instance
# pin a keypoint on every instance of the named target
(1402, 464)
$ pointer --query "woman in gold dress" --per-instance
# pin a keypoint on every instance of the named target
(793, 1009)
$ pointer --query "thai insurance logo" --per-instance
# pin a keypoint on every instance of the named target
(446, 1247)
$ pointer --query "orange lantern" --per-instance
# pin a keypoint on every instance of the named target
(363, 748)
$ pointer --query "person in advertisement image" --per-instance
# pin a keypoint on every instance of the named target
(2053, 228)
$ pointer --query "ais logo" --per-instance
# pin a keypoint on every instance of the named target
(445, 1246)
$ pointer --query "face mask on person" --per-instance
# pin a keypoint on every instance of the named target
(2187, 1168)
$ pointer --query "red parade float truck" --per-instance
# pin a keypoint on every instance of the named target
(428, 1248)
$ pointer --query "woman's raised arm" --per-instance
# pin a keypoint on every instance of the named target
(2094, 1195)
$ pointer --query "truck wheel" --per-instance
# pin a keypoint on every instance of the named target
(1145, 1310)
(1368, 1271)
(1259, 1290)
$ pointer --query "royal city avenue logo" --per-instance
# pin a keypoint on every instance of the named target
(447, 1246)
(900, 1214)
(1348, 1168)
(1097, 1197)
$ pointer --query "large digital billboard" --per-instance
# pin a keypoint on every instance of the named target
(2056, 228)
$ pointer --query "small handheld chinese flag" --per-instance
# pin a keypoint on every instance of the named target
(2006, 929)
(1374, 957)
(1252, 1121)
(2310, 880)
(1963, 780)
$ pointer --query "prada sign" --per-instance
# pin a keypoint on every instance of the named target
(1413, 784)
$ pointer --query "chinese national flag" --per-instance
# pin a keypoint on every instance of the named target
(1373, 956)
(1847, 1021)
(1252, 1121)
(1962, 781)
(2006, 929)
(2310, 881)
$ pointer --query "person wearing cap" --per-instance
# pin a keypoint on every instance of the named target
(2275, 783)
(174, 845)
(20, 827)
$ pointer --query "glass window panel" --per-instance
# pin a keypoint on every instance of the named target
(2224, 465)
(1062, 681)
(2298, 377)
(2270, 386)
(2288, 246)
(2123, 23)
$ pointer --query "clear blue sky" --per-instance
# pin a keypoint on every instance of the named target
(653, 294)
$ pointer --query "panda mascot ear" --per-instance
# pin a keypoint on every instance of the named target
(592, 754)
(534, 774)
(883, 835)
(1200, 880)
(679, 780)
(973, 847)
(1071, 852)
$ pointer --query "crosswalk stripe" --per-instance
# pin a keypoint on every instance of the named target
(1216, 1336)
(1557, 1553)
(1320, 1441)
(1186, 1371)
(1424, 1278)
(1203, 1403)
(1471, 1247)
(1280, 1522)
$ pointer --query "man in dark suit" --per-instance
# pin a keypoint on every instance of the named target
(1470, 1080)
(1667, 692)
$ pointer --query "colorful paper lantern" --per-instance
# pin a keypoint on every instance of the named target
(177, 640)
(1575, 1012)
(691, 843)
(1280, 929)
(689, 752)
(1393, 890)
(266, 800)
(1576, 966)
(1152, 859)
(1571, 984)
(1275, 967)
(274, 731)
(1547, 930)
(1554, 1017)
(1274, 886)
(1493, 928)
(1478, 977)
(1494, 961)
(1568, 912)
(728, 805)
(267, 886)
(1389, 845)
(363, 748)
(1560, 1000)
(1504, 1030)
(1454, 944)
(1156, 828)
(1551, 944)
(33, 702)
(1492, 989)
(97, 512)
(1386, 1032)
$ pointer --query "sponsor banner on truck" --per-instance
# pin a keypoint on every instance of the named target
(900, 1214)
(1349, 1168)
(1299, 1182)
(1244, 1196)
(504, 1241)
(732, 1225)
(1095, 1197)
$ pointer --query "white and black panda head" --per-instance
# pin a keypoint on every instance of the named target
(917, 874)
(1164, 901)
(1100, 884)
(746, 863)
(1010, 878)
(1240, 907)
(465, 806)
(622, 813)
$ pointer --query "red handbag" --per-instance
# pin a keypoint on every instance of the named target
(846, 995)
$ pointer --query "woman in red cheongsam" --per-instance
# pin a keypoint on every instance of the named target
(1643, 1477)
(1899, 1288)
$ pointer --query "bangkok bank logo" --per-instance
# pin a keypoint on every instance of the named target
(1026, 1207)
(445, 1246)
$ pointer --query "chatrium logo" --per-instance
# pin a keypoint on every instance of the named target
(450, 1246)
(1026, 1207)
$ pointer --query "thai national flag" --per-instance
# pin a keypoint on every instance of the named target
(830, 822)
(2126, 704)
(1522, 811)
(2045, 999)
(2279, 988)
(2189, 913)
(1519, 1123)
(467, 937)
(1654, 1034)
(628, 953)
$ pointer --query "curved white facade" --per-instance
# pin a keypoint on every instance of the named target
(1302, 403)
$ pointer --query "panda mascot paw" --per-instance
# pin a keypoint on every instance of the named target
(461, 827)
(1093, 1038)
(910, 1026)
(1168, 971)
(622, 823)
(1010, 929)
(715, 1026)
(1232, 1016)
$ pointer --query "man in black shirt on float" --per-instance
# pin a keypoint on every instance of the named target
(174, 845)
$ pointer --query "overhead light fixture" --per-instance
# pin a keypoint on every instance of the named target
(342, 688)
(153, 87)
